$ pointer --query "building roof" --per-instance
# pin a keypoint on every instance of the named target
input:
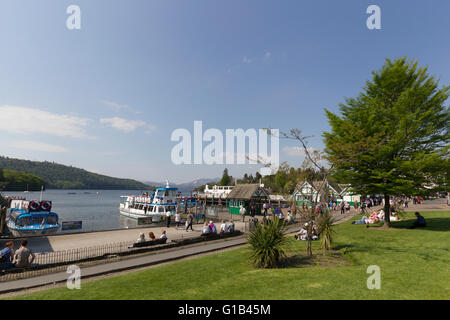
(247, 192)
(316, 185)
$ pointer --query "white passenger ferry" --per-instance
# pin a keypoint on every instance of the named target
(150, 206)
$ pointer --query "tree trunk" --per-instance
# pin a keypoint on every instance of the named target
(309, 249)
(387, 210)
(2, 219)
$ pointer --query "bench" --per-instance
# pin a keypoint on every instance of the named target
(148, 243)
(207, 237)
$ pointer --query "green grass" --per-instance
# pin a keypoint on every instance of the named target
(414, 265)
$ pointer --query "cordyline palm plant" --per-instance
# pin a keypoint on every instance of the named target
(266, 242)
(325, 224)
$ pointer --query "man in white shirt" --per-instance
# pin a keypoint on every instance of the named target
(168, 218)
(177, 219)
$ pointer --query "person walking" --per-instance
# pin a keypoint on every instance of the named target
(177, 219)
(168, 216)
(189, 221)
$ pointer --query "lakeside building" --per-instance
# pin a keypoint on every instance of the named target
(217, 192)
(246, 195)
(306, 192)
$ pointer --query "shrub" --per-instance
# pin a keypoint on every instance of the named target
(266, 243)
(325, 224)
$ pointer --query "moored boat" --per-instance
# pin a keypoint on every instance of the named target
(31, 218)
(153, 207)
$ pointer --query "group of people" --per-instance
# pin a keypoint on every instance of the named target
(303, 233)
(211, 227)
(20, 258)
(151, 236)
(379, 216)
(374, 217)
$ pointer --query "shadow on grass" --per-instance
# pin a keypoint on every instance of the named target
(322, 259)
(433, 224)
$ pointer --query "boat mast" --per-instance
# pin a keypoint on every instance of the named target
(42, 189)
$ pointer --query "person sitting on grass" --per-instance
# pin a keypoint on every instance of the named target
(302, 234)
(314, 233)
(363, 220)
(206, 229)
(373, 218)
(419, 222)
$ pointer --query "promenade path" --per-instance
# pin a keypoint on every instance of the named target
(90, 239)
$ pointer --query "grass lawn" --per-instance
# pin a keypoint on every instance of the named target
(414, 265)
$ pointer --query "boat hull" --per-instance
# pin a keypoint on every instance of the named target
(137, 214)
(32, 232)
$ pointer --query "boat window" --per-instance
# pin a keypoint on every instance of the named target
(166, 193)
(37, 220)
(52, 220)
(25, 221)
(171, 208)
(161, 209)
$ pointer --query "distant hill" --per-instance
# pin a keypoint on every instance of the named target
(184, 187)
(12, 180)
(58, 176)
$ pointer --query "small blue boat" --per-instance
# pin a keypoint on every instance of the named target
(27, 218)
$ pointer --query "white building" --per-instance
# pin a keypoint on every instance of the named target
(217, 191)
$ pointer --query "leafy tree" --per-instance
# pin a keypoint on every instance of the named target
(11, 180)
(226, 179)
(392, 139)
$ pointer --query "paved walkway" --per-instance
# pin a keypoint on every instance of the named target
(90, 239)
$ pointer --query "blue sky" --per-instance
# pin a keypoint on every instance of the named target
(108, 96)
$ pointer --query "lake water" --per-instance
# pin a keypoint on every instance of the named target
(98, 209)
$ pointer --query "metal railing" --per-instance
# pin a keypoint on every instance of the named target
(49, 262)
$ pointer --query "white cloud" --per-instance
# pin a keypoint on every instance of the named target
(24, 120)
(114, 105)
(126, 125)
(37, 146)
(296, 151)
